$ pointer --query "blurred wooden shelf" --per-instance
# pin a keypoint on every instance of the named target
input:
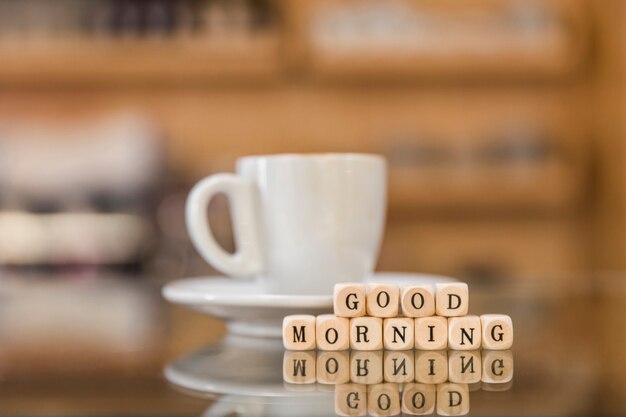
(107, 61)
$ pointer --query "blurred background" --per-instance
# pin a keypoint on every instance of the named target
(501, 120)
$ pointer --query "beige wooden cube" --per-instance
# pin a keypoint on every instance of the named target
(383, 400)
(464, 333)
(349, 300)
(351, 400)
(398, 333)
(417, 301)
(419, 399)
(431, 333)
(431, 367)
(464, 366)
(451, 299)
(497, 366)
(299, 332)
(497, 331)
(366, 333)
(333, 367)
(299, 367)
(453, 399)
(366, 367)
(383, 300)
(332, 332)
(398, 366)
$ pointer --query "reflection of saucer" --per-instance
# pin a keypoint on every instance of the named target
(249, 311)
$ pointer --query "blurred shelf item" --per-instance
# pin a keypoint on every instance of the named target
(382, 39)
(130, 41)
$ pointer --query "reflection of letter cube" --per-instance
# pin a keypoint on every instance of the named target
(349, 300)
(299, 332)
(351, 400)
(464, 367)
(366, 333)
(383, 300)
(398, 366)
(299, 367)
(333, 333)
(452, 399)
(451, 299)
(419, 399)
(497, 366)
(383, 400)
(366, 367)
(333, 367)
(497, 331)
(431, 333)
(398, 333)
(431, 367)
(417, 301)
(464, 333)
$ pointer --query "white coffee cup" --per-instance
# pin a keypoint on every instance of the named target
(302, 222)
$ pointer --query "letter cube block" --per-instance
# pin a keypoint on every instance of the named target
(417, 301)
(333, 367)
(349, 300)
(366, 333)
(451, 299)
(497, 366)
(366, 367)
(431, 333)
(431, 367)
(464, 367)
(497, 331)
(333, 333)
(383, 400)
(398, 366)
(452, 399)
(299, 332)
(383, 300)
(299, 367)
(398, 333)
(464, 333)
(351, 400)
(419, 399)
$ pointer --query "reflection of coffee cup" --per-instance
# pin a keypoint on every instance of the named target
(301, 222)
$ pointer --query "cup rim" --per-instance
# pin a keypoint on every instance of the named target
(350, 156)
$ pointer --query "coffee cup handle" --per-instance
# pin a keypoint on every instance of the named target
(243, 198)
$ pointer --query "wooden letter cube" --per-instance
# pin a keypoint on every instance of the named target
(431, 367)
(464, 367)
(349, 300)
(398, 333)
(366, 367)
(452, 399)
(398, 366)
(299, 367)
(464, 333)
(333, 333)
(383, 300)
(383, 400)
(333, 367)
(451, 299)
(431, 333)
(299, 332)
(417, 301)
(497, 366)
(351, 400)
(497, 331)
(419, 399)
(366, 333)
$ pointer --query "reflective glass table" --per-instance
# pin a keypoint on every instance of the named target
(569, 358)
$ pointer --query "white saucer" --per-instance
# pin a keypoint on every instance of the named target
(249, 311)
